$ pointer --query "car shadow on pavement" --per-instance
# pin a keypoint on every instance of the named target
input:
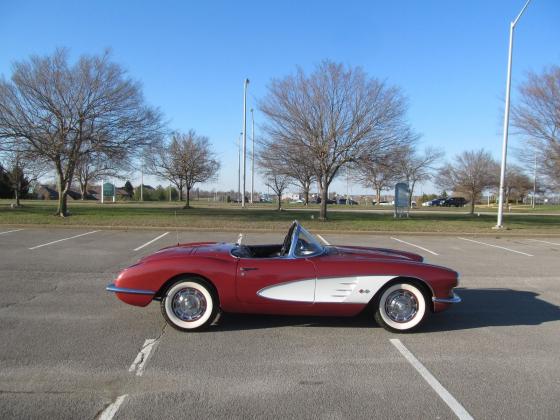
(479, 308)
(493, 308)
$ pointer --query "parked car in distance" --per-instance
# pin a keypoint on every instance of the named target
(386, 203)
(346, 201)
(433, 203)
(455, 202)
(298, 201)
(329, 201)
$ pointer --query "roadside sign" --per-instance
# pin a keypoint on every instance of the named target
(402, 199)
(108, 189)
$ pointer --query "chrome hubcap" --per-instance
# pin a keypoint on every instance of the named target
(401, 306)
(188, 304)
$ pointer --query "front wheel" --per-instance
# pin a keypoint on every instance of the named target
(401, 308)
(189, 305)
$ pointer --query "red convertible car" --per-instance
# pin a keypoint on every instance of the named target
(195, 282)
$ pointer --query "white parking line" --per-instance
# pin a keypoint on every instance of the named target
(112, 409)
(544, 242)
(64, 239)
(142, 357)
(496, 246)
(417, 246)
(149, 242)
(323, 239)
(443, 393)
(10, 231)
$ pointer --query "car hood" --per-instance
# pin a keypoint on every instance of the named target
(375, 253)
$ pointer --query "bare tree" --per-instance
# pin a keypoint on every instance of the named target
(164, 161)
(64, 112)
(194, 160)
(332, 116)
(517, 183)
(272, 166)
(537, 119)
(21, 169)
(93, 168)
(471, 172)
(375, 172)
(415, 167)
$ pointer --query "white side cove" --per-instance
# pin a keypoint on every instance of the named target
(294, 291)
(356, 289)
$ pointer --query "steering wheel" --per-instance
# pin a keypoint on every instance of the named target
(287, 242)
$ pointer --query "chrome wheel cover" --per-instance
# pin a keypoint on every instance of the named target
(188, 304)
(401, 306)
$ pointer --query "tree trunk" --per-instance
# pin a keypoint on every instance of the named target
(62, 209)
(187, 205)
(411, 191)
(279, 201)
(473, 197)
(324, 196)
(306, 195)
(17, 194)
(378, 195)
(83, 190)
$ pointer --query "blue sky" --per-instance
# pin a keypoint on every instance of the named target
(449, 57)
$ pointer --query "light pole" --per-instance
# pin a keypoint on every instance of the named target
(239, 166)
(252, 156)
(245, 83)
(499, 224)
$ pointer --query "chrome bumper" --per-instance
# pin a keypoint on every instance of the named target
(112, 288)
(454, 299)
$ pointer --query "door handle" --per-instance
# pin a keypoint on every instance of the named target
(248, 268)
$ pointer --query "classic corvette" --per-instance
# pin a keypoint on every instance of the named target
(194, 282)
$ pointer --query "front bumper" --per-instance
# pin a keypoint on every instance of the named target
(112, 288)
(454, 299)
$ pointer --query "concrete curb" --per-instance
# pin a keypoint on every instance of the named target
(496, 234)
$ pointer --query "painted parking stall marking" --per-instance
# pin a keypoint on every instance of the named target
(142, 357)
(63, 239)
(112, 409)
(443, 393)
(496, 246)
(544, 242)
(414, 245)
(10, 231)
(150, 242)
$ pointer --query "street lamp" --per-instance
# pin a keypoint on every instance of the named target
(245, 83)
(239, 167)
(499, 224)
(252, 156)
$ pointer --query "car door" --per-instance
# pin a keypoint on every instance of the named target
(275, 280)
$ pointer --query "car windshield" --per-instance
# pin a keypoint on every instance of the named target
(307, 245)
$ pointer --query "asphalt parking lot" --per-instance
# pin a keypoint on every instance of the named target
(68, 349)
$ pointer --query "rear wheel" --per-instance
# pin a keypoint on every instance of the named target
(189, 304)
(402, 307)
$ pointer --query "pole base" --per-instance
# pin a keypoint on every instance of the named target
(498, 227)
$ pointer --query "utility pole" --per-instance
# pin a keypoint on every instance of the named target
(499, 224)
(245, 83)
(252, 156)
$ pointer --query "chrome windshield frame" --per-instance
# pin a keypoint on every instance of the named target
(295, 238)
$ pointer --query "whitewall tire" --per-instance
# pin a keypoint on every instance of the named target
(402, 307)
(189, 305)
